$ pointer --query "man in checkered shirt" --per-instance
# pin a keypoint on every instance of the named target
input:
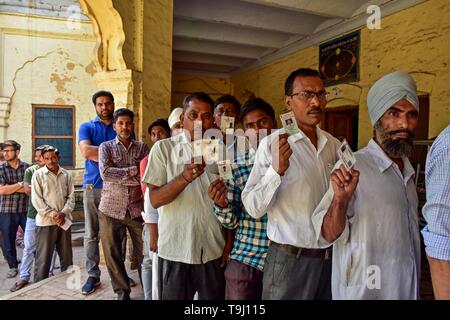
(13, 202)
(244, 273)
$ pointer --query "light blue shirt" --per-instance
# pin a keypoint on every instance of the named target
(437, 209)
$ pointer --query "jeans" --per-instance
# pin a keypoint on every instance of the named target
(9, 222)
(29, 252)
(146, 265)
(91, 201)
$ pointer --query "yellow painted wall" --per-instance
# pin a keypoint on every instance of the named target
(183, 84)
(416, 40)
(44, 61)
(157, 60)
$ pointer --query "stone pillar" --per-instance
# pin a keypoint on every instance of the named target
(133, 56)
(4, 115)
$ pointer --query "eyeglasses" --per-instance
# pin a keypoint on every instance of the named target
(309, 95)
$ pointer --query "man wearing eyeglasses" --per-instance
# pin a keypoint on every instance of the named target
(190, 243)
(13, 202)
(289, 178)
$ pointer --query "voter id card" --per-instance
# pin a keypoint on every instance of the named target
(225, 170)
(227, 124)
(289, 123)
(345, 153)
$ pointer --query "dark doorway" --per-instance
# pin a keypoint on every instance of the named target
(342, 122)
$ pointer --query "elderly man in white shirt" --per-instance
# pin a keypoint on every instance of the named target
(53, 196)
(289, 178)
(371, 217)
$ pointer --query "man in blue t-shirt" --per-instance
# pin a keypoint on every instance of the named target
(90, 135)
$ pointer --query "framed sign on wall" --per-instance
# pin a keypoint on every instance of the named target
(339, 59)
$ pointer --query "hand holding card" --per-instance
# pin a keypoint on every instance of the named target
(345, 153)
(289, 123)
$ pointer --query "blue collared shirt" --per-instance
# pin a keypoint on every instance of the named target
(437, 209)
(96, 132)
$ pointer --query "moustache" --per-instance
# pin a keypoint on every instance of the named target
(315, 110)
(408, 132)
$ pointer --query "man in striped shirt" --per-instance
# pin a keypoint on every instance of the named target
(244, 274)
(437, 213)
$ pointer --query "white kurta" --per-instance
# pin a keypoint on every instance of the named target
(378, 254)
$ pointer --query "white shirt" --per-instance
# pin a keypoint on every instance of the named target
(51, 194)
(381, 233)
(291, 199)
(188, 230)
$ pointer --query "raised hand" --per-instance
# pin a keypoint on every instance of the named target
(192, 171)
(344, 183)
(217, 191)
(281, 152)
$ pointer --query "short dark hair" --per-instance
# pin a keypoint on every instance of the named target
(200, 96)
(41, 147)
(258, 104)
(228, 99)
(102, 93)
(302, 72)
(1, 145)
(123, 112)
(11, 143)
(159, 122)
(50, 149)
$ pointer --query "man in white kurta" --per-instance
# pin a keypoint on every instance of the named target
(376, 251)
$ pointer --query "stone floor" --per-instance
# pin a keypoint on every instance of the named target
(66, 285)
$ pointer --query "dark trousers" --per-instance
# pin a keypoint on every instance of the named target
(243, 282)
(2, 247)
(289, 276)
(112, 232)
(9, 222)
(47, 238)
(180, 281)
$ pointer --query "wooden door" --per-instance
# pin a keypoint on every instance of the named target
(342, 122)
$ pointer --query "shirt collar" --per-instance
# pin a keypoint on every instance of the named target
(21, 164)
(97, 119)
(46, 170)
(321, 138)
(384, 162)
(118, 142)
(180, 138)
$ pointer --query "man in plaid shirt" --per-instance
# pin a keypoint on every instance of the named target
(13, 201)
(244, 271)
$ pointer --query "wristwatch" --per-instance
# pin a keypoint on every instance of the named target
(20, 183)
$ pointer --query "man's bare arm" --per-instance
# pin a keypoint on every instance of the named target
(344, 184)
(27, 188)
(88, 151)
(160, 196)
(8, 189)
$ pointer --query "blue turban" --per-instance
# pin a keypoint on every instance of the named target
(388, 90)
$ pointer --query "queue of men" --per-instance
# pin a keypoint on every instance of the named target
(290, 221)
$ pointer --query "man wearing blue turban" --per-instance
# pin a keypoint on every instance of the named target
(369, 214)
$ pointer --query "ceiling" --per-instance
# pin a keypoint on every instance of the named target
(222, 37)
